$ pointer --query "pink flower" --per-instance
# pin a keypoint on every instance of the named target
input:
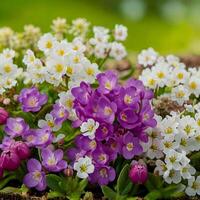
(138, 173)
(3, 116)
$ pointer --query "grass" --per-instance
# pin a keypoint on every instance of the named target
(151, 31)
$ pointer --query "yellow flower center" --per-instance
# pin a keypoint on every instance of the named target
(193, 85)
(129, 146)
(49, 45)
(7, 68)
(128, 99)
(59, 68)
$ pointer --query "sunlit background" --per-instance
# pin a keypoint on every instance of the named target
(169, 26)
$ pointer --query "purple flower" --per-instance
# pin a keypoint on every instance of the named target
(82, 93)
(138, 173)
(16, 127)
(128, 118)
(59, 113)
(100, 157)
(106, 110)
(35, 177)
(3, 116)
(103, 132)
(53, 161)
(131, 146)
(103, 175)
(40, 138)
(31, 99)
(107, 82)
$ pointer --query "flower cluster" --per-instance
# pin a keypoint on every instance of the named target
(112, 120)
(171, 144)
(9, 72)
(169, 73)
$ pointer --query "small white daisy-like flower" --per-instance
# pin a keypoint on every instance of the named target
(193, 187)
(180, 94)
(147, 57)
(120, 32)
(84, 167)
(49, 121)
(89, 128)
(194, 86)
(117, 51)
(172, 176)
(47, 42)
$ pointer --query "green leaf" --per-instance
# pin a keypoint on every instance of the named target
(54, 183)
(123, 179)
(82, 184)
(53, 194)
(6, 180)
(154, 182)
(154, 195)
(195, 160)
(11, 190)
(108, 192)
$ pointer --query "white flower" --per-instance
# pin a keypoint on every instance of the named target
(148, 78)
(47, 42)
(61, 49)
(7, 68)
(187, 171)
(179, 76)
(29, 57)
(91, 70)
(173, 159)
(57, 67)
(161, 71)
(147, 57)
(120, 32)
(84, 167)
(194, 86)
(161, 167)
(187, 126)
(117, 51)
(8, 53)
(193, 186)
(180, 94)
(172, 176)
(66, 99)
(49, 121)
(89, 128)
(154, 150)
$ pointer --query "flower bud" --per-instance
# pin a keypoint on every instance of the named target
(138, 173)
(6, 101)
(22, 150)
(68, 171)
(11, 160)
(3, 116)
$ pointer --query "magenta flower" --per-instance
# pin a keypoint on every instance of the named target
(16, 127)
(131, 146)
(53, 161)
(107, 82)
(138, 173)
(3, 116)
(10, 160)
(31, 99)
(35, 177)
(21, 149)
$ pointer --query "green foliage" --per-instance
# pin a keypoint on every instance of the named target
(69, 187)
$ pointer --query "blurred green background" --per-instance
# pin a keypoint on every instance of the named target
(169, 26)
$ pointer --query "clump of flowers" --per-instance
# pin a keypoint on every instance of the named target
(112, 120)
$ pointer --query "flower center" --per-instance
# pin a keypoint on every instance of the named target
(108, 85)
(193, 85)
(7, 68)
(180, 75)
(83, 168)
(49, 44)
(90, 71)
(103, 173)
(52, 161)
(128, 99)
(129, 146)
(59, 68)
(107, 111)
(32, 101)
(37, 175)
